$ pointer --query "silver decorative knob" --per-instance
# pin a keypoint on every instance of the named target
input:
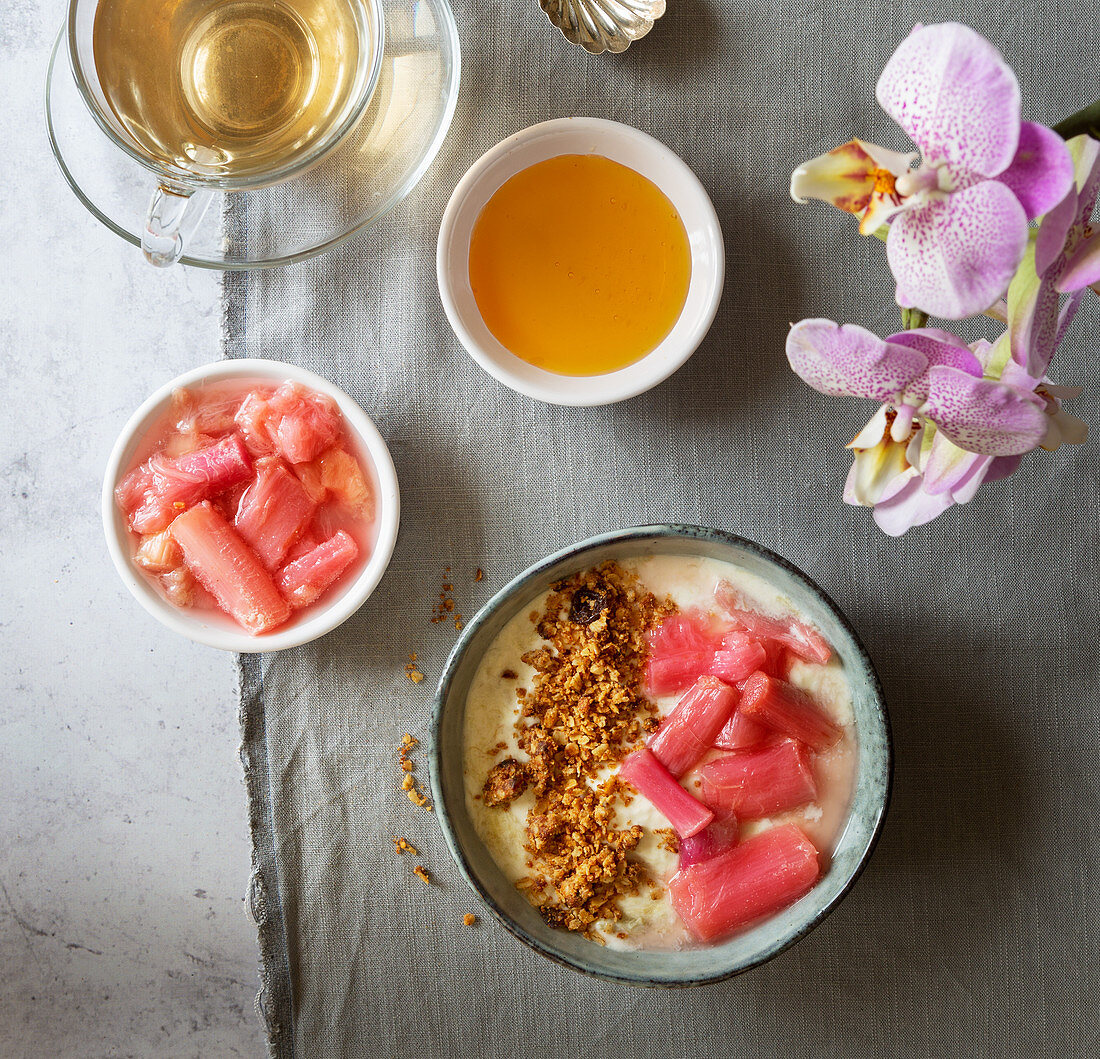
(603, 25)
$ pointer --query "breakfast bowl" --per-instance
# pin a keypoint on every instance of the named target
(859, 818)
(363, 535)
(641, 156)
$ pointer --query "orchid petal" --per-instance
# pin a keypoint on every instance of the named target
(967, 485)
(880, 464)
(950, 354)
(1033, 316)
(1083, 268)
(955, 96)
(996, 356)
(989, 418)
(1019, 378)
(1075, 209)
(885, 202)
(1086, 158)
(850, 489)
(881, 209)
(910, 507)
(1003, 467)
(1063, 393)
(896, 162)
(842, 176)
(940, 347)
(1063, 428)
(954, 256)
(951, 469)
(857, 177)
(874, 431)
(874, 471)
(920, 444)
(1053, 232)
(850, 361)
(1041, 173)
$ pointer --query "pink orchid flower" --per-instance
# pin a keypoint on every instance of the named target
(959, 221)
(923, 374)
(944, 428)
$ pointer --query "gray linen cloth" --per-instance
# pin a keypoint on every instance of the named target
(975, 930)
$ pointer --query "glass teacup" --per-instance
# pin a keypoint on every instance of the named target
(222, 94)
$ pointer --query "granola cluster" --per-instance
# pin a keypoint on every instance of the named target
(584, 713)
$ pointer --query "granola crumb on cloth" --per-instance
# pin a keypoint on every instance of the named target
(583, 714)
(469, 919)
(408, 782)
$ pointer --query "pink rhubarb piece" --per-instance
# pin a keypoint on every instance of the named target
(337, 475)
(803, 639)
(273, 512)
(787, 709)
(757, 878)
(228, 569)
(293, 422)
(738, 656)
(307, 577)
(154, 493)
(741, 731)
(721, 834)
(689, 731)
(760, 781)
(680, 650)
(686, 814)
(198, 412)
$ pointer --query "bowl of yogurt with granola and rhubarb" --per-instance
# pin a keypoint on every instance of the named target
(661, 756)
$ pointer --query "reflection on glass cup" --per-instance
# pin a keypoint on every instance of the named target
(222, 94)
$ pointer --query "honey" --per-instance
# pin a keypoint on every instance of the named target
(579, 265)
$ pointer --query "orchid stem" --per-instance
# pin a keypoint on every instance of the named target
(913, 318)
(1085, 121)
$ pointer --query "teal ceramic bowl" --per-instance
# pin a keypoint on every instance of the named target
(770, 937)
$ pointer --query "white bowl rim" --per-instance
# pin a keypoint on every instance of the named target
(325, 618)
(496, 166)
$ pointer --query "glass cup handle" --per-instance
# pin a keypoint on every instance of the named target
(174, 213)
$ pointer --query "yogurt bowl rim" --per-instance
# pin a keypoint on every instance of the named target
(322, 618)
(676, 181)
(567, 560)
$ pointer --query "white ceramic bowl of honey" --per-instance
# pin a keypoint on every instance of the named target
(580, 262)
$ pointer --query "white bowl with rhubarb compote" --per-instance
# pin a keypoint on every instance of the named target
(661, 756)
(250, 505)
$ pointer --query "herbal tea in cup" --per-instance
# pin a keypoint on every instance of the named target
(227, 94)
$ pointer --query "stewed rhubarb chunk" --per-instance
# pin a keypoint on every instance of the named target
(293, 422)
(686, 814)
(760, 781)
(681, 648)
(722, 833)
(154, 493)
(757, 878)
(741, 731)
(196, 411)
(273, 512)
(738, 656)
(799, 636)
(158, 554)
(689, 731)
(228, 569)
(337, 475)
(787, 709)
(303, 580)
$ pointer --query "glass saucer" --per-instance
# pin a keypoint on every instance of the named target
(366, 175)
